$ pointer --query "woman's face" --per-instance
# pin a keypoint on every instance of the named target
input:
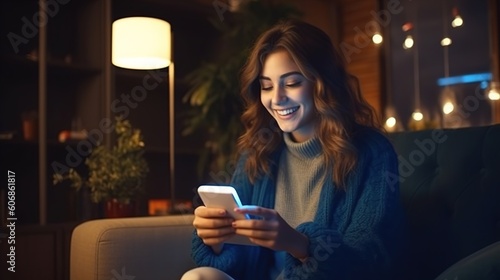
(288, 95)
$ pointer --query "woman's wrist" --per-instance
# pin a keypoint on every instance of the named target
(217, 248)
(300, 249)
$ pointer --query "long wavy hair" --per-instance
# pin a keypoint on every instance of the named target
(338, 102)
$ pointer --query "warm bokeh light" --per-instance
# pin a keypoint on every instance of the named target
(417, 115)
(493, 91)
(377, 38)
(408, 43)
(446, 42)
(390, 122)
(407, 26)
(493, 94)
(457, 21)
(448, 107)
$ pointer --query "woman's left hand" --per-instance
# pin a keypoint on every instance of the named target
(271, 231)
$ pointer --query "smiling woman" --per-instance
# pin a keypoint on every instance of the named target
(321, 206)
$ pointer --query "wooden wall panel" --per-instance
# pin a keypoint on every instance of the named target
(363, 58)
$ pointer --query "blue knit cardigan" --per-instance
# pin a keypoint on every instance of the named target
(357, 233)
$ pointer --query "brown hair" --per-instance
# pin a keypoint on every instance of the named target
(338, 102)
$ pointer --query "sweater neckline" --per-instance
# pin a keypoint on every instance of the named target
(305, 150)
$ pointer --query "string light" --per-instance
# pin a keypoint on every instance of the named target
(448, 99)
(448, 107)
(493, 93)
(408, 43)
(417, 115)
(391, 122)
(457, 19)
(446, 41)
(377, 38)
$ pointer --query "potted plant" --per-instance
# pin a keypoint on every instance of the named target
(115, 175)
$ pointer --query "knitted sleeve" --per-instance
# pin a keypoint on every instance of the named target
(203, 255)
(239, 261)
(363, 243)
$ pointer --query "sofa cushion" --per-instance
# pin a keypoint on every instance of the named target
(450, 188)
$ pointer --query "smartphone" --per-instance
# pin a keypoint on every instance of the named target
(225, 197)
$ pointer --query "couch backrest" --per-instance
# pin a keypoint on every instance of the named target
(450, 188)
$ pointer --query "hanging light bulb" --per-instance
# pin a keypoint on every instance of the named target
(493, 93)
(377, 38)
(457, 19)
(448, 100)
(448, 107)
(391, 123)
(417, 115)
(408, 43)
(446, 41)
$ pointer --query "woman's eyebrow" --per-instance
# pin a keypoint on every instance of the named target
(282, 76)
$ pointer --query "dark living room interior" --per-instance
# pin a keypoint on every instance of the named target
(59, 87)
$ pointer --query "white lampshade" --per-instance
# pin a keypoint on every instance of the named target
(141, 43)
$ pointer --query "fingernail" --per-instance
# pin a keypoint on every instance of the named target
(233, 224)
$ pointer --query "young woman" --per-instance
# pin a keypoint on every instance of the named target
(313, 168)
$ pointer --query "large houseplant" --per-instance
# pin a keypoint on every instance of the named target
(115, 175)
(215, 105)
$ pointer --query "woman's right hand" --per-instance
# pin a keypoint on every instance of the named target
(213, 226)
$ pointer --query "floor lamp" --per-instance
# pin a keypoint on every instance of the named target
(144, 43)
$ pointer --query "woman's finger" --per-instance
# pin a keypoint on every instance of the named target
(207, 212)
(265, 213)
(213, 237)
(215, 233)
(203, 223)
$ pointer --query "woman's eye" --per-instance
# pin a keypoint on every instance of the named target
(264, 88)
(293, 84)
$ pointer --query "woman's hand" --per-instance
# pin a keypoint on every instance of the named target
(213, 226)
(271, 232)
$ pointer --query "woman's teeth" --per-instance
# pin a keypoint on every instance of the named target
(287, 111)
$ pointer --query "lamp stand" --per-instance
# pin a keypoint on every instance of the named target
(171, 90)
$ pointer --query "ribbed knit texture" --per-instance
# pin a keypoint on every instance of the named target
(299, 181)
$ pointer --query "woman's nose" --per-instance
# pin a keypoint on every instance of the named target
(279, 96)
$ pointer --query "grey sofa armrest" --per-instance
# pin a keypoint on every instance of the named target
(146, 248)
(483, 265)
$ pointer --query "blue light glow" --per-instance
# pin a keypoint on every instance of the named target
(464, 79)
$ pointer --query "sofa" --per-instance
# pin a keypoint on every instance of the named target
(450, 188)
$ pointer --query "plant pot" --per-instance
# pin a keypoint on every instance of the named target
(113, 208)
